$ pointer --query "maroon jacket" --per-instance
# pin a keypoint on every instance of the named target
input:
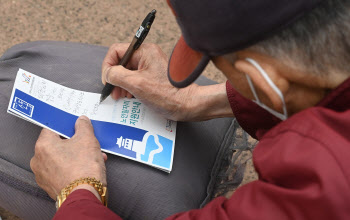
(303, 165)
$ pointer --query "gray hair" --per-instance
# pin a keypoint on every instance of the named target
(319, 42)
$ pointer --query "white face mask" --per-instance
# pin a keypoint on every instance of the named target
(283, 116)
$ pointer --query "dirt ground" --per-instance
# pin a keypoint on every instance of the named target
(92, 22)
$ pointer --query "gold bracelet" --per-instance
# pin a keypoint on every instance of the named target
(102, 190)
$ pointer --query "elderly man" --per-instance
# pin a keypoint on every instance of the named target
(288, 86)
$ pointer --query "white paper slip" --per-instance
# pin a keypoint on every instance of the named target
(125, 127)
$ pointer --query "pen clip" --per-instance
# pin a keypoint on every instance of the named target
(144, 29)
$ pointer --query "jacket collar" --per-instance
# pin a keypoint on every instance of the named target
(338, 99)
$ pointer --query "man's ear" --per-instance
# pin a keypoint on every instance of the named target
(264, 91)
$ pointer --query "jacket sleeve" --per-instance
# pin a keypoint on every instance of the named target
(82, 204)
(299, 178)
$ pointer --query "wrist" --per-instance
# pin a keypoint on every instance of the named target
(208, 102)
(83, 183)
(89, 188)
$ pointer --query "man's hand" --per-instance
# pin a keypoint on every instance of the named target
(146, 79)
(59, 162)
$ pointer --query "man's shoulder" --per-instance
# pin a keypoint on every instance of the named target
(307, 157)
(323, 125)
(316, 139)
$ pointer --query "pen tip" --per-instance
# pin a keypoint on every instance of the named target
(154, 11)
(102, 98)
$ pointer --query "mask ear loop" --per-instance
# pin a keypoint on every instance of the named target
(269, 81)
(252, 88)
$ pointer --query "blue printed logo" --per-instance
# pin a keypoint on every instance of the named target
(26, 78)
(23, 107)
(153, 149)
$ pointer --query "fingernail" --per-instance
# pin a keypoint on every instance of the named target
(107, 73)
(83, 117)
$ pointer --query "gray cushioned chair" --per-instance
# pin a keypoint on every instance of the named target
(136, 191)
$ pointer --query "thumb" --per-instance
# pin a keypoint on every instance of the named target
(120, 76)
(104, 156)
(83, 126)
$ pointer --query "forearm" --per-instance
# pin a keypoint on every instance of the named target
(209, 102)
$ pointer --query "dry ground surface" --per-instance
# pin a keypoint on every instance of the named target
(93, 22)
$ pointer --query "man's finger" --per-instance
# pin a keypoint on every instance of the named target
(120, 76)
(33, 164)
(123, 93)
(47, 134)
(83, 126)
(129, 95)
(114, 55)
(104, 156)
(116, 93)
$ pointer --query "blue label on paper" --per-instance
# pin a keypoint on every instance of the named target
(121, 139)
(22, 107)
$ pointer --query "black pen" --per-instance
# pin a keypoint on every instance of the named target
(135, 44)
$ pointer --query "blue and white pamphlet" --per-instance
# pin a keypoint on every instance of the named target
(126, 127)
